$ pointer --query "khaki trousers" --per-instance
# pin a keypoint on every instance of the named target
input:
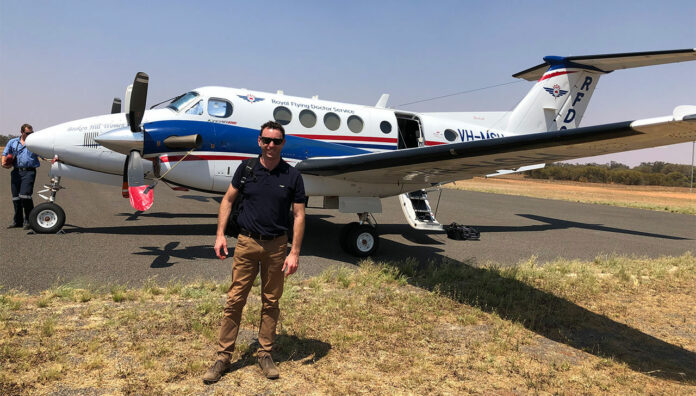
(250, 257)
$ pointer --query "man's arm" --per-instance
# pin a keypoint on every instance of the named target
(6, 164)
(223, 217)
(293, 259)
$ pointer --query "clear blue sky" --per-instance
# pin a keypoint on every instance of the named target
(65, 60)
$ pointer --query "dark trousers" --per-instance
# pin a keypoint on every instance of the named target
(22, 185)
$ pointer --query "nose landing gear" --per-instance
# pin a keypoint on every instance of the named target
(48, 217)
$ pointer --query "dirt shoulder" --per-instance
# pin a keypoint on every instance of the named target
(670, 199)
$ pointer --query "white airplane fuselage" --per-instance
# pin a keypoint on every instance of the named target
(360, 129)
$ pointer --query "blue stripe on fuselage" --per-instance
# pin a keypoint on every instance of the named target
(236, 139)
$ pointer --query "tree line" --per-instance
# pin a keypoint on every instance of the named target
(646, 174)
(4, 139)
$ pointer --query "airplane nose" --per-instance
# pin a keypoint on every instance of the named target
(42, 143)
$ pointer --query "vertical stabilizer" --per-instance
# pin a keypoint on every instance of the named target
(557, 101)
(564, 86)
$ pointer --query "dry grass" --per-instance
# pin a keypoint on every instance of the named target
(670, 199)
(613, 326)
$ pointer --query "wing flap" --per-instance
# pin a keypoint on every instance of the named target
(457, 161)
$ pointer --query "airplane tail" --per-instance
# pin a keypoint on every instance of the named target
(565, 85)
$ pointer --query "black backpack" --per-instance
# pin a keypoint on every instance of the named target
(232, 228)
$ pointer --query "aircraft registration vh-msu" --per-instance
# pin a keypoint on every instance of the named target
(351, 155)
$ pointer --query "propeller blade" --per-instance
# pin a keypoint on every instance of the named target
(141, 195)
(116, 106)
(138, 100)
(135, 169)
(124, 186)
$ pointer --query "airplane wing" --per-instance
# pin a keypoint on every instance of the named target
(457, 161)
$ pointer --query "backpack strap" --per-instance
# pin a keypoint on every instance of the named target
(248, 171)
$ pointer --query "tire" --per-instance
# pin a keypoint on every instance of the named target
(362, 240)
(47, 218)
(343, 237)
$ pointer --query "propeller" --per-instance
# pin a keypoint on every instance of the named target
(116, 106)
(140, 194)
(137, 102)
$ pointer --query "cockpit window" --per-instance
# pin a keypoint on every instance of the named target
(197, 109)
(219, 108)
(183, 101)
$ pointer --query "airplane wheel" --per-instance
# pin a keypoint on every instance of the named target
(343, 236)
(47, 218)
(362, 240)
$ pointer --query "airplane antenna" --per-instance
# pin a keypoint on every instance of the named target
(459, 93)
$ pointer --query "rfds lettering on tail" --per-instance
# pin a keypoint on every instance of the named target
(350, 155)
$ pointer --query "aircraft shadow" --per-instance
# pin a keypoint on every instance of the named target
(207, 230)
(166, 215)
(550, 316)
(163, 256)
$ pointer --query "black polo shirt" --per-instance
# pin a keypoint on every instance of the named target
(268, 196)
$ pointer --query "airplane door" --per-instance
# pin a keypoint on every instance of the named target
(410, 131)
(223, 172)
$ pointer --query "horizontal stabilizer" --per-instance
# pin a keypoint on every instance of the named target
(606, 63)
(501, 172)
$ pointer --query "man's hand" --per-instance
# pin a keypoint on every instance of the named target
(221, 247)
(290, 264)
(223, 216)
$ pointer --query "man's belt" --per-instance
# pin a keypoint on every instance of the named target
(25, 169)
(256, 235)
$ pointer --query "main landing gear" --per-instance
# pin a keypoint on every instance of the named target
(48, 217)
(360, 238)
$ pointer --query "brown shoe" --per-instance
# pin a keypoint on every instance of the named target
(215, 372)
(269, 368)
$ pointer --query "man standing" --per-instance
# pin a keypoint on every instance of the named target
(267, 190)
(24, 164)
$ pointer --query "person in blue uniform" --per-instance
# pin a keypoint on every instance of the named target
(23, 163)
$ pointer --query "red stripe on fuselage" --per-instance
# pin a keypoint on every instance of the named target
(174, 158)
(432, 143)
(351, 138)
(560, 73)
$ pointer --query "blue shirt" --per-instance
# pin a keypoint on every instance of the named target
(25, 158)
(268, 196)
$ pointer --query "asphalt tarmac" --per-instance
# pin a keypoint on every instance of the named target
(107, 242)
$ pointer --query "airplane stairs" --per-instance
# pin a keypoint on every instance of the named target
(418, 212)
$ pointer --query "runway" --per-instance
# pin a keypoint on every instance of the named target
(105, 241)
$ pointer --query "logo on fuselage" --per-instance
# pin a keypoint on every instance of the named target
(250, 98)
(555, 91)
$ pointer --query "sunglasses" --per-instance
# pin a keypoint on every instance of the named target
(268, 140)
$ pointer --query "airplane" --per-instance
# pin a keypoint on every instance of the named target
(349, 155)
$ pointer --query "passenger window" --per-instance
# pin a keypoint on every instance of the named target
(355, 124)
(450, 135)
(197, 109)
(282, 115)
(219, 108)
(385, 127)
(332, 121)
(307, 118)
